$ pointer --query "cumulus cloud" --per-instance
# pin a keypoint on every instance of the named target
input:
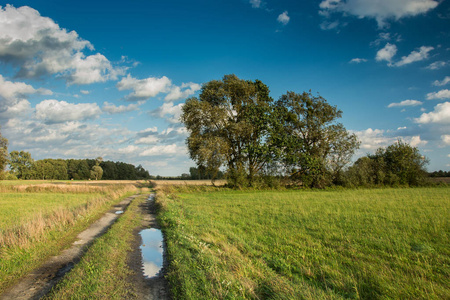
(163, 150)
(54, 111)
(38, 46)
(446, 139)
(440, 115)
(144, 88)
(169, 111)
(380, 10)
(186, 90)
(387, 53)
(13, 97)
(255, 3)
(414, 56)
(405, 103)
(358, 60)
(443, 82)
(442, 94)
(113, 109)
(416, 141)
(284, 18)
(84, 92)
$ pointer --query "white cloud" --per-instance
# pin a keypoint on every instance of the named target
(13, 97)
(151, 139)
(437, 65)
(329, 25)
(255, 3)
(414, 56)
(405, 103)
(169, 111)
(54, 111)
(144, 88)
(387, 53)
(283, 18)
(446, 139)
(84, 92)
(444, 81)
(372, 139)
(386, 36)
(358, 60)
(38, 46)
(177, 93)
(380, 10)
(163, 150)
(442, 94)
(113, 109)
(416, 141)
(440, 115)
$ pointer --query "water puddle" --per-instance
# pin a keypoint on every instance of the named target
(151, 197)
(152, 251)
(119, 212)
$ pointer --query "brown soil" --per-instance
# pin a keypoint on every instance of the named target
(39, 282)
(147, 288)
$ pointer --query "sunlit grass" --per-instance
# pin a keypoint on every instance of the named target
(103, 272)
(381, 243)
(37, 221)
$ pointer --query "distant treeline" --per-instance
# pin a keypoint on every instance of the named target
(440, 173)
(194, 174)
(23, 166)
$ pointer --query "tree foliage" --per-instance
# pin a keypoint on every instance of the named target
(21, 164)
(3, 154)
(316, 147)
(397, 164)
(228, 127)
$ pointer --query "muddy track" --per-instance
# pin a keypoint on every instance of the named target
(147, 288)
(39, 282)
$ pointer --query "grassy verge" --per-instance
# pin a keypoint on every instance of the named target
(38, 222)
(103, 272)
(369, 244)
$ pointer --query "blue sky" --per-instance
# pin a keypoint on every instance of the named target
(81, 79)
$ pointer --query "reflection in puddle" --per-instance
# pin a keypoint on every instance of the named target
(151, 197)
(152, 251)
(119, 212)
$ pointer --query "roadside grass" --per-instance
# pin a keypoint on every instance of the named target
(388, 243)
(37, 222)
(103, 273)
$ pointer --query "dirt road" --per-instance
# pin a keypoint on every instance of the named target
(39, 282)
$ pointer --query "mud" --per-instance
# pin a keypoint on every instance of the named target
(39, 282)
(147, 288)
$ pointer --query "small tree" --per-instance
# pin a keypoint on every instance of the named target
(403, 164)
(399, 163)
(3, 154)
(315, 147)
(21, 164)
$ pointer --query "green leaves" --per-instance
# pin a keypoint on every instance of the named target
(235, 124)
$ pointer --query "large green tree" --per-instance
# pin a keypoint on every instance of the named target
(315, 146)
(228, 125)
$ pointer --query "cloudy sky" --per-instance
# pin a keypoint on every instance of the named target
(81, 79)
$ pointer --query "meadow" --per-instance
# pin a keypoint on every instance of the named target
(389, 243)
(38, 219)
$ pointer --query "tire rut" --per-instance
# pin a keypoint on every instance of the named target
(39, 282)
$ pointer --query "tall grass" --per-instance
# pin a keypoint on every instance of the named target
(358, 244)
(39, 221)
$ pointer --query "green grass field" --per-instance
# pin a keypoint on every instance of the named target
(103, 272)
(38, 221)
(358, 244)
